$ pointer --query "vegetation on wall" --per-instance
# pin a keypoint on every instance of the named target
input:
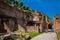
(40, 18)
(27, 19)
(5, 1)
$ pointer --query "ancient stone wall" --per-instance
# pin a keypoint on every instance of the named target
(32, 29)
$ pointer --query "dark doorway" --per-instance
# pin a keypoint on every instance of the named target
(2, 29)
(30, 23)
(49, 26)
(50, 29)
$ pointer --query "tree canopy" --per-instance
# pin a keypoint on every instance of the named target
(18, 4)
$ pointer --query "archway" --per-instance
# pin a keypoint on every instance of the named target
(50, 28)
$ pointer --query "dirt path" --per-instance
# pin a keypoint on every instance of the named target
(46, 36)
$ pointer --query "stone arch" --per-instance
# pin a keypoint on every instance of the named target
(49, 26)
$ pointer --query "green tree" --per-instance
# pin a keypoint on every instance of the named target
(27, 9)
(15, 3)
(18, 4)
(21, 4)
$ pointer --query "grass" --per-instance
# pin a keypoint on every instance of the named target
(34, 34)
(31, 34)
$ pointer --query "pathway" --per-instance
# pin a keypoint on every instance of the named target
(46, 36)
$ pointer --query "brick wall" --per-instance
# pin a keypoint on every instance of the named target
(56, 23)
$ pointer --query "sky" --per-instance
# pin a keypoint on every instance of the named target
(49, 7)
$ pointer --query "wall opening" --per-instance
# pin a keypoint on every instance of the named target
(2, 29)
(49, 26)
(30, 23)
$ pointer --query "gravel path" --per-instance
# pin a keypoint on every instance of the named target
(46, 36)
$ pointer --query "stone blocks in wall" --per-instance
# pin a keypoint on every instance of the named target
(32, 29)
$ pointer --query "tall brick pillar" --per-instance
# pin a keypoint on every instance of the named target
(54, 24)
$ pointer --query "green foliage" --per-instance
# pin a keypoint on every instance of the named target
(21, 4)
(28, 11)
(15, 3)
(34, 34)
(40, 18)
(25, 7)
(18, 4)
(27, 18)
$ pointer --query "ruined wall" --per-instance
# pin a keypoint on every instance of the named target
(56, 23)
(13, 15)
(13, 12)
(32, 29)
